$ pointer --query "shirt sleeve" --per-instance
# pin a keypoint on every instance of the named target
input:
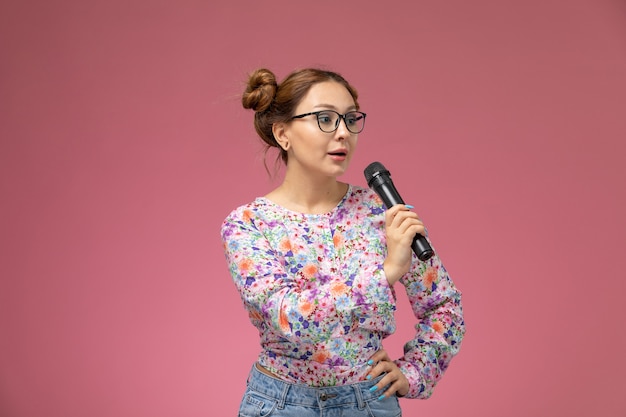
(283, 300)
(436, 303)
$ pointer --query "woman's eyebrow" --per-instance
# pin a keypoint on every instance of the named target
(332, 107)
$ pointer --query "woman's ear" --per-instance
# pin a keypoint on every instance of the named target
(280, 134)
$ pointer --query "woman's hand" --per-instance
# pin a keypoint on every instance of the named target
(398, 384)
(401, 226)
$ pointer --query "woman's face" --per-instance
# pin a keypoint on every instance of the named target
(311, 151)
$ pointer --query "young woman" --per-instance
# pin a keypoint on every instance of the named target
(316, 260)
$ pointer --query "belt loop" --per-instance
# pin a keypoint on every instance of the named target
(359, 396)
(283, 397)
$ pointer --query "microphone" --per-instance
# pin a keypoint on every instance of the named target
(379, 180)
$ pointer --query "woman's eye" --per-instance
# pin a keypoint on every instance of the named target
(353, 118)
(324, 118)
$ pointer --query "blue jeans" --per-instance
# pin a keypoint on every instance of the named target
(267, 396)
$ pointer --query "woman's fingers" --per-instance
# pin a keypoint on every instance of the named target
(401, 226)
(400, 219)
(396, 382)
(394, 379)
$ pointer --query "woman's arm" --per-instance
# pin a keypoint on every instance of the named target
(436, 303)
(296, 302)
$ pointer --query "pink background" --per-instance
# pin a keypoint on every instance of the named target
(123, 146)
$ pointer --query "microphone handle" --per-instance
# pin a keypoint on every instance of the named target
(390, 196)
(422, 248)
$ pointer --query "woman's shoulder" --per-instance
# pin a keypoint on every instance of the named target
(360, 190)
(363, 196)
(245, 211)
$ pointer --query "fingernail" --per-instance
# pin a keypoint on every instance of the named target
(369, 377)
(370, 362)
(408, 206)
(382, 397)
(374, 388)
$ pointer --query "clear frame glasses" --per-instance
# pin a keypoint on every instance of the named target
(328, 120)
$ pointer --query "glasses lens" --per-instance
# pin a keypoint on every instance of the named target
(355, 121)
(328, 121)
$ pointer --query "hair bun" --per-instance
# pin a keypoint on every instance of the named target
(260, 91)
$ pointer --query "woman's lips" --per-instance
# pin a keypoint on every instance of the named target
(339, 155)
(339, 152)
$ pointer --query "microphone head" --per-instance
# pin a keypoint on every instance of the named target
(374, 169)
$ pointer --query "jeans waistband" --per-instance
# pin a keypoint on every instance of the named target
(304, 395)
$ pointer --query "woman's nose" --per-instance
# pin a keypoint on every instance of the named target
(342, 131)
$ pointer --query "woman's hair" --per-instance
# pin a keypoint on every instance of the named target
(275, 103)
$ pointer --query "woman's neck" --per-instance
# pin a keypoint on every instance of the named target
(310, 197)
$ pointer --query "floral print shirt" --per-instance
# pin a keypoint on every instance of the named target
(314, 287)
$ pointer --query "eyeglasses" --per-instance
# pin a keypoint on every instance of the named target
(328, 120)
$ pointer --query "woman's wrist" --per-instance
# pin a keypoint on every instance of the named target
(392, 272)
